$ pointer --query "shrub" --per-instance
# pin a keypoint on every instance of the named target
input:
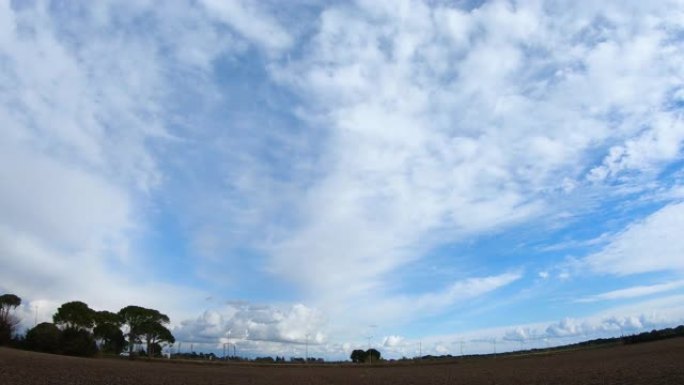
(44, 337)
(78, 342)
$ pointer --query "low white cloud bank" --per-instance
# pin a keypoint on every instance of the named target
(272, 328)
(251, 329)
(295, 324)
(612, 322)
(615, 321)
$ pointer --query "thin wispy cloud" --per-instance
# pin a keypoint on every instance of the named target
(634, 292)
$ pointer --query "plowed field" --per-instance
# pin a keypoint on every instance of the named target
(649, 363)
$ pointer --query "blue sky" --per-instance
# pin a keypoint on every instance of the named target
(422, 172)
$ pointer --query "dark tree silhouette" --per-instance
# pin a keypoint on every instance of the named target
(108, 331)
(77, 342)
(8, 322)
(153, 334)
(372, 355)
(44, 337)
(147, 324)
(358, 355)
(75, 315)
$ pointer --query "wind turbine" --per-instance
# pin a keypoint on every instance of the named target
(370, 330)
(306, 355)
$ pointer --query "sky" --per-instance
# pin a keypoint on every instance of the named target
(435, 177)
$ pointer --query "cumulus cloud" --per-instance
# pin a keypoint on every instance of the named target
(392, 341)
(520, 334)
(662, 312)
(569, 328)
(591, 328)
(661, 143)
(294, 324)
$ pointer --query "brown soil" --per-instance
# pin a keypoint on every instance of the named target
(649, 363)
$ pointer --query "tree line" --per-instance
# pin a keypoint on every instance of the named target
(78, 330)
(654, 335)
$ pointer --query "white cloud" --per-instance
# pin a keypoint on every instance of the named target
(392, 341)
(276, 326)
(261, 329)
(660, 143)
(252, 22)
(428, 137)
(394, 176)
(611, 322)
(459, 291)
(66, 206)
(634, 318)
(653, 244)
(519, 334)
(399, 310)
(633, 292)
(569, 327)
(75, 161)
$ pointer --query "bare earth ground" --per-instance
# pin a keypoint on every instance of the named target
(648, 363)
